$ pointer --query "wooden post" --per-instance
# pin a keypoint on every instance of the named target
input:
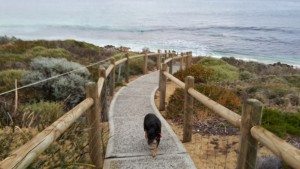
(188, 109)
(145, 69)
(181, 61)
(158, 60)
(166, 54)
(162, 87)
(189, 59)
(251, 116)
(112, 76)
(127, 68)
(171, 62)
(104, 104)
(93, 116)
(16, 101)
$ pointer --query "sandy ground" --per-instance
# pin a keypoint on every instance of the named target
(208, 151)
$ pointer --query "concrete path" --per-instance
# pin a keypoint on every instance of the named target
(127, 147)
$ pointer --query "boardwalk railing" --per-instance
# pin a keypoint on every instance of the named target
(92, 107)
(249, 122)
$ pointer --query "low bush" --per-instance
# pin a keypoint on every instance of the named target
(69, 87)
(199, 72)
(136, 65)
(281, 123)
(245, 75)
(222, 71)
(221, 95)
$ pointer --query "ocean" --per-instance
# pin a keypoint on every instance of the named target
(260, 30)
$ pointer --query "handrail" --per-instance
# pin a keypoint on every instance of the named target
(100, 85)
(152, 54)
(24, 155)
(109, 69)
(224, 112)
(175, 80)
(289, 153)
(168, 60)
(136, 56)
(120, 61)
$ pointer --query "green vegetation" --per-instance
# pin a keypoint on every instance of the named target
(228, 81)
(136, 65)
(281, 123)
(222, 71)
(7, 78)
(69, 87)
(40, 51)
(221, 95)
(200, 73)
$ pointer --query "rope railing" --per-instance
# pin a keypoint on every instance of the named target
(249, 122)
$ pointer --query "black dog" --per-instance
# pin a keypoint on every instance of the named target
(152, 128)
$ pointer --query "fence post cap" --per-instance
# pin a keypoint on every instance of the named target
(254, 102)
(164, 67)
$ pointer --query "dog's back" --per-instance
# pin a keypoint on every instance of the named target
(152, 127)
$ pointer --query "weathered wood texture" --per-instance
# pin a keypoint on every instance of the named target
(120, 61)
(251, 116)
(175, 80)
(158, 60)
(172, 55)
(188, 110)
(162, 87)
(109, 69)
(286, 151)
(24, 156)
(127, 69)
(112, 77)
(104, 104)
(181, 61)
(145, 66)
(93, 116)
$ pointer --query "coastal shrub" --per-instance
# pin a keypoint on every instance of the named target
(245, 75)
(221, 95)
(40, 114)
(199, 72)
(40, 51)
(222, 71)
(136, 65)
(281, 123)
(175, 105)
(293, 80)
(69, 87)
(7, 78)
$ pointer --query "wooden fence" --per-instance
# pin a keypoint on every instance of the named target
(91, 107)
(248, 122)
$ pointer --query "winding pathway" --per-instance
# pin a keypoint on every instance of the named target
(127, 147)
